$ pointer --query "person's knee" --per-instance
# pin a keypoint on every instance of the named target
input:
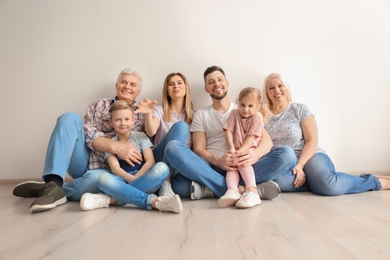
(69, 117)
(104, 179)
(161, 170)
(171, 148)
(182, 126)
(288, 154)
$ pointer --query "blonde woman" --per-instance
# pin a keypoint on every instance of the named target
(292, 124)
(169, 121)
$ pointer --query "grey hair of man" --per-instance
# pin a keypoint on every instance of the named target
(133, 72)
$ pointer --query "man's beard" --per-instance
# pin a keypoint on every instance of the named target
(218, 97)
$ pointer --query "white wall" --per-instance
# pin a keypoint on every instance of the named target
(58, 56)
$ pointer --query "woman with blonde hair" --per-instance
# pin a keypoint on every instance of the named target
(292, 124)
(170, 120)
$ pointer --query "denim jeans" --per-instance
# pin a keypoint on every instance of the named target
(179, 131)
(140, 191)
(322, 179)
(67, 153)
(191, 167)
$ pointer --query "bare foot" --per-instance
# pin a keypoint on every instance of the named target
(385, 182)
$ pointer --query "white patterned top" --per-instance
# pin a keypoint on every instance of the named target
(285, 129)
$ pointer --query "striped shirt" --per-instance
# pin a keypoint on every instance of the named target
(97, 124)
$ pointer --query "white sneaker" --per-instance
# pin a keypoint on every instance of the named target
(229, 199)
(248, 200)
(200, 191)
(94, 201)
(166, 189)
(169, 203)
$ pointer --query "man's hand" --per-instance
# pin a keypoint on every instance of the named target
(128, 152)
(227, 162)
(247, 158)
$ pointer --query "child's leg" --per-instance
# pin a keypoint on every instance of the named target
(232, 179)
(232, 195)
(248, 175)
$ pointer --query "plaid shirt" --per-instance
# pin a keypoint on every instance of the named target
(97, 124)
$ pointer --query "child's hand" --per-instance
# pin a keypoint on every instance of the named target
(130, 178)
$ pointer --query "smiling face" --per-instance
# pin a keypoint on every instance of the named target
(216, 85)
(122, 120)
(248, 106)
(176, 87)
(128, 88)
(277, 92)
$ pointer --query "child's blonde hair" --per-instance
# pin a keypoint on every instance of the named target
(256, 94)
(120, 104)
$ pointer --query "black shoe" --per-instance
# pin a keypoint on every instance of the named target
(28, 189)
(50, 197)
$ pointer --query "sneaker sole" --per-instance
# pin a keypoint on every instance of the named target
(273, 190)
(39, 208)
(230, 202)
(24, 189)
(192, 191)
(180, 205)
(247, 206)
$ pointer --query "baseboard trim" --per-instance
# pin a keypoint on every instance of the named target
(16, 181)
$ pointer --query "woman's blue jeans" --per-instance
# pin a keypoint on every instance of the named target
(179, 132)
(322, 179)
(140, 191)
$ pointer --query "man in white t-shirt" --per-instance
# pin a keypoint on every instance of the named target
(202, 174)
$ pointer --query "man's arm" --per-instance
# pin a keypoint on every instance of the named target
(125, 150)
(226, 162)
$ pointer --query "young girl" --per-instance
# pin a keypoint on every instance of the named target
(243, 131)
(131, 184)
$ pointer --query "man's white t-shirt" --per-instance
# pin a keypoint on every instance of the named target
(211, 122)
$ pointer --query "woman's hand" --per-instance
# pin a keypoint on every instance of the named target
(300, 176)
(128, 152)
(145, 106)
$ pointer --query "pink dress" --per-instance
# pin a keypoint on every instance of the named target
(244, 127)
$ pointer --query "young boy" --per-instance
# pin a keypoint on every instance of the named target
(131, 184)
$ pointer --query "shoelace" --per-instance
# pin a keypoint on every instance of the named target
(98, 200)
(47, 189)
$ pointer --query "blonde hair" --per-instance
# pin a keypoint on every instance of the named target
(255, 93)
(167, 101)
(266, 99)
(119, 105)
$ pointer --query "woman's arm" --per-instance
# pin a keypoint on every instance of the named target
(151, 122)
(310, 134)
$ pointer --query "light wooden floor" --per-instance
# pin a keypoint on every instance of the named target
(293, 226)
